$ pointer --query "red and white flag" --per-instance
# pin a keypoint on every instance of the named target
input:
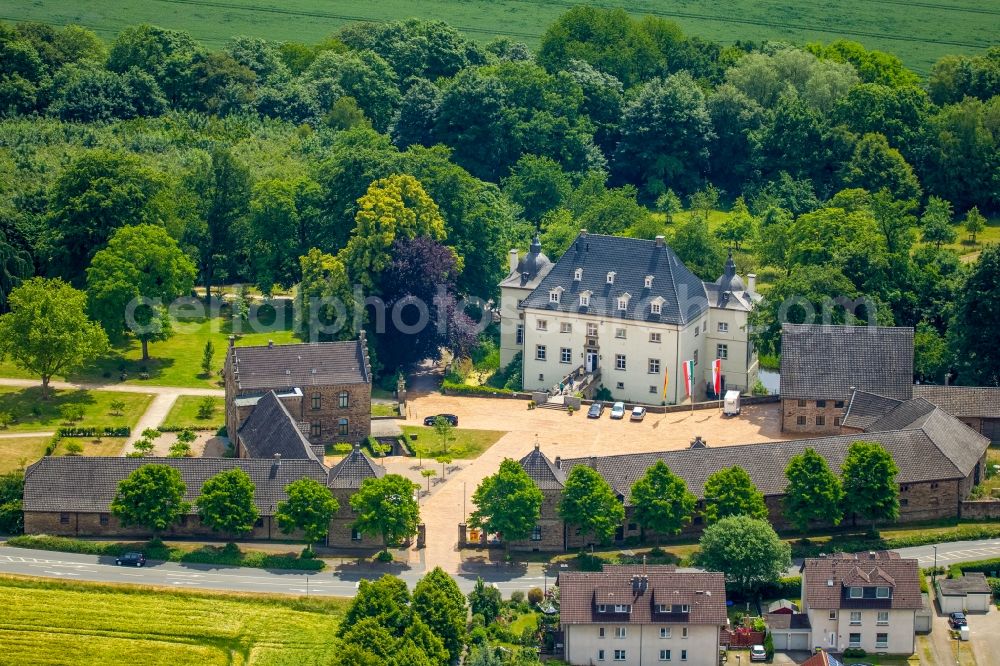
(717, 375)
(688, 368)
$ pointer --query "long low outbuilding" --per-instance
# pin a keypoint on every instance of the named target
(968, 593)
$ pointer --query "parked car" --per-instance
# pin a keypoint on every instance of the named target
(131, 560)
(758, 653)
(638, 413)
(450, 418)
(595, 410)
(618, 410)
(956, 620)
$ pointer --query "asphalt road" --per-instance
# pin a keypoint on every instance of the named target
(343, 581)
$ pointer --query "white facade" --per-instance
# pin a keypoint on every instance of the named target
(634, 356)
(891, 631)
(641, 645)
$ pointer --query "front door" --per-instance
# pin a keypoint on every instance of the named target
(591, 361)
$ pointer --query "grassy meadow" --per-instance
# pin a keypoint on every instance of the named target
(33, 414)
(917, 32)
(76, 623)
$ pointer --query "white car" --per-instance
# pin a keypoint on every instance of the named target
(758, 653)
(638, 413)
(618, 410)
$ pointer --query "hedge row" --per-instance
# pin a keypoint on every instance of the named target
(471, 389)
(984, 566)
(83, 431)
(971, 532)
(229, 555)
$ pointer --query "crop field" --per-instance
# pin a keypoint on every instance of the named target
(917, 31)
(75, 623)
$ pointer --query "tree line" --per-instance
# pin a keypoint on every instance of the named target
(401, 156)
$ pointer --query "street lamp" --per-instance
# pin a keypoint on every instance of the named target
(934, 570)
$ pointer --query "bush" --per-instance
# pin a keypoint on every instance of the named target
(768, 642)
(535, 596)
(995, 586)
(206, 408)
(80, 431)
(857, 544)
(987, 567)
(517, 597)
(74, 449)
(590, 562)
(603, 393)
(451, 387)
(72, 413)
(6, 418)
(384, 556)
(855, 652)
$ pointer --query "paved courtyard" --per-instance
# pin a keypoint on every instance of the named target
(558, 434)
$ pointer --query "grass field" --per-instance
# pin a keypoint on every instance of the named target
(918, 32)
(174, 362)
(184, 413)
(34, 414)
(463, 443)
(76, 623)
(16, 452)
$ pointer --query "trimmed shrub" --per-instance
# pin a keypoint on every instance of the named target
(82, 431)
(535, 595)
(450, 387)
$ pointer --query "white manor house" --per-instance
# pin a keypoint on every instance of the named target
(631, 310)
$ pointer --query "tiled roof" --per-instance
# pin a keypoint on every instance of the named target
(353, 469)
(270, 430)
(968, 401)
(787, 621)
(821, 659)
(865, 408)
(826, 579)
(88, 484)
(704, 592)
(300, 365)
(973, 582)
(824, 362)
(632, 260)
(940, 447)
(541, 470)
(531, 268)
(908, 413)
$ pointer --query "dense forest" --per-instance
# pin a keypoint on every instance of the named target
(403, 156)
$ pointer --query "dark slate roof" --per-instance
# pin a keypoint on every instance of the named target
(824, 362)
(541, 470)
(704, 592)
(866, 408)
(906, 413)
(973, 582)
(787, 621)
(87, 485)
(631, 259)
(967, 401)
(861, 570)
(313, 364)
(270, 430)
(938, 447)
(353, 469)
(530, 269)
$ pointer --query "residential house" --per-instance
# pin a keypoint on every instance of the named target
(939, 458)
(862, 600)
(636, 616)
(324, 386)
(343, 481)
(822, 365)
(629, 311)
(270, 430)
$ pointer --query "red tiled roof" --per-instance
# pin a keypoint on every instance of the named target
(827, 577)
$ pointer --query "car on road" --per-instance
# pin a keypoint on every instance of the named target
(618, 410)
(131, 560)
(638, 413)
(595, 410)
(450, 418)
(758, 653)
(956, 620)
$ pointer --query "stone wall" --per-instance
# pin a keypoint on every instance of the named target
(988, 509)
(358, 412)
(75, 524)
(792, 410)
(551, 525)
(341, 526)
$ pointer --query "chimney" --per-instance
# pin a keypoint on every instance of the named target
(583, 232)
(558, 462)
(232, 341)
(536, 446)
(752, 283)
(270, 344)
(512, 258)
(357, 447)
(277, 459)
(593, 462)
(660, 241)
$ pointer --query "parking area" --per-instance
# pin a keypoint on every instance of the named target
(981, 649)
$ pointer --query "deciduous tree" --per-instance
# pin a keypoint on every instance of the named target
(976, 314)
(661, 501)
(589, 503)
(47, 331)
(152, 497)
(747, 550)
(869, 480)
(226, 503)
(507, 503)
(813, 493)
(308, 509)
(731, 492)
(441, 605)
(386, 507)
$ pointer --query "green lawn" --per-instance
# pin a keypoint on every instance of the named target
(174, 362)
(34, 414)
(463, 443)
(522, 622)
(20, 452)
(382, 409)
(106, 446)
(184, 413)
(47, 622)
(919, 33)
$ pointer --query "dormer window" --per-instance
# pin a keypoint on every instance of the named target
(555, 294)
(578, 274)
(856, 593)
(585, 299)
(648, 282)
(656, 306)
(611, 277)
(881, 592)
(601, 608)
(623, 302)
(623, 608)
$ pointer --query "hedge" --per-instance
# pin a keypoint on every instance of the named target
(970, 532)
(984, 566)
(229, 555)
(454, 387)
(84, 431)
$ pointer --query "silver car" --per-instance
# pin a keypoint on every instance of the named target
(618, 410)
(638, 413)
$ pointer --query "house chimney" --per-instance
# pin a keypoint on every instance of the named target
(277, 459)
(660, 241)
(270, 344)
(752, 283)
(512, 258)
(593, 462)
(232, 341)
(558, 462)
(583, 232)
